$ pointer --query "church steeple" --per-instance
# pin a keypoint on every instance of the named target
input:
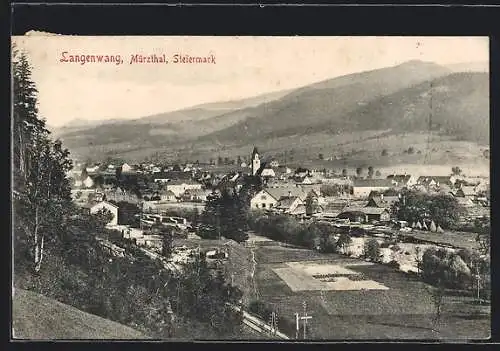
(255, 161)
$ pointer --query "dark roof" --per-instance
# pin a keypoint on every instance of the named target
(255, 151)
(334, 207)
(399, 177)
(278, 193)
(286, 201)
(376, 183)
(437, 179)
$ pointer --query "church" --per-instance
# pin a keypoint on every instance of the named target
(255, 165)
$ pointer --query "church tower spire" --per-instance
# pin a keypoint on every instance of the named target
(255, 161)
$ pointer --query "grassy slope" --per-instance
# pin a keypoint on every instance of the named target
(38, 317)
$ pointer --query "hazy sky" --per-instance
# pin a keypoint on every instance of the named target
(245, 66)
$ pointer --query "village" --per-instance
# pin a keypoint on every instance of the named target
(336, 197)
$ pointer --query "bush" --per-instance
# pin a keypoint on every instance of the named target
(394, 264)
(446, 268)
(372, 250)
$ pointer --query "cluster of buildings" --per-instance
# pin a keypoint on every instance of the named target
(297, 192)
(306, 193)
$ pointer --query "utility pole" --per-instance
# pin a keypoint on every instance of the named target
(297, 326)
(273, 322)
(478, 282)
(304, 318)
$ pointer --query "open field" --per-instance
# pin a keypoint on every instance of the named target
(403, 311)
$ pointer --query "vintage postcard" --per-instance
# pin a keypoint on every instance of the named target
(246, 188)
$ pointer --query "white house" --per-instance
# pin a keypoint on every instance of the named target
(108, 206)
(268, 172)
(289, 205)
(180, 187)
(92, 169)
(126, 168)
(274, 164)
(167, 196)
(88, 182)
(402, 180)
(269, 197)
(363, 187)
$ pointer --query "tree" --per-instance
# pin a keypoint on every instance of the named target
(418, 258)
(411, 150)
(311, 204)
(370, 172)
(330, 190)
(167, 243)
(437, 295)
(482, 227)
(225, 214)
(359, 171)
(103, 216)
(344, 241)
(320, 156)
(208, 298)
(344, 172)
(239, 161)
(456, 171)
(384, 152)
(372, 250)
(42, 190)
(377, 173)
(210, 217)
(415, 206)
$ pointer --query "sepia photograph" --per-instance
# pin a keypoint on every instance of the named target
(245, 188)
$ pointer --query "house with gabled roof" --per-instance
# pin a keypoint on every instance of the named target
(362, 187)
(436, 181)
(269, 197)
(382, 201)
(402, 180)
(466, 191)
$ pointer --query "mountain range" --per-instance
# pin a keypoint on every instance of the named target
(360, 114)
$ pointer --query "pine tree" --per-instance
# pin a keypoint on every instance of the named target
(43, 193)
(210, 218)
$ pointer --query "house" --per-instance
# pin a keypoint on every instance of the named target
(283, 169)
(288, 204)
(196, 195)
(108, 206)
(88, 182)
(307, 188)
(179, 187)
(126, 168)
(268, 173)
(376, 214)
(381, 201)
(167, 196)
(402, 180)
(466, 191)
(333, 209)
(362, 187)
(269, 197)
(92, 169)
(365, 214)
(436, 181)
(161, 177)
(111, 168)
(352, 215)
(274, 164)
